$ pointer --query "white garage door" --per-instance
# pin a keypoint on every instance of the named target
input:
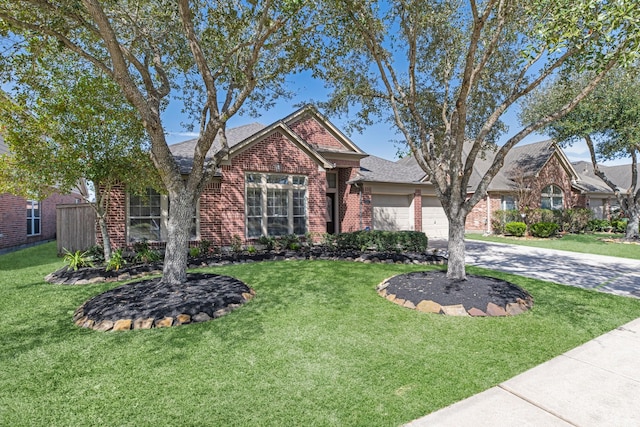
(392, 212)
(434, 221)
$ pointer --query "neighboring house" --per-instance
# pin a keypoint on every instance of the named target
(302, 175)
(600, 197)
(24, 222)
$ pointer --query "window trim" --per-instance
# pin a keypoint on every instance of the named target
(550, 195)
(264, 186)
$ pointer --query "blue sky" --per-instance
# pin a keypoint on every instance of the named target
(376, 140)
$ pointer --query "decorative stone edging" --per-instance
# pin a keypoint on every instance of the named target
(219, 295)
(429, 306)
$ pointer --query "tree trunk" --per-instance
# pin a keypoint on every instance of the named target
(631, 232)
(456, 262)
(106, 240)
(181, 208)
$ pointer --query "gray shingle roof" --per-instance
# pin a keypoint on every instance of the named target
(530, 157)
(376, 169)
(620, 175)
(183, 151)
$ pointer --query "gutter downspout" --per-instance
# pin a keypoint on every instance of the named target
(488, 214)
(360, 205)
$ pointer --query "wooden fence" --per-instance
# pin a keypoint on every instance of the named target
(75, 227)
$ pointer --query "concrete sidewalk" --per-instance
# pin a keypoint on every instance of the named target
(596, 384)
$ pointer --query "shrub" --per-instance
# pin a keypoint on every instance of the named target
(194, 252)
(387, 241)
(236, 243)
(515, 228)
(539, 215)
(77, 259)
(573, 220)
(96, 253)
(544, 229)
(599, 225)
(268, 242)
(619, 225)
(205, 246)
(328, 240)
(144, 254)
(290, 241)
(117, 261)
(251, 249)
(502, 217)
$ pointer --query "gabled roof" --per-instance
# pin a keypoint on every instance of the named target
(588, 181)
(242, 137)
(310, 111)
(529, 158)
(183, 151)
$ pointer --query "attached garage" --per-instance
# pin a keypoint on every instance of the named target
(434, 221)
(392, 212)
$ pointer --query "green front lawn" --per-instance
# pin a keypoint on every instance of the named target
(583, 243)
(316, 346)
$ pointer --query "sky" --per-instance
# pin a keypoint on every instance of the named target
(377, 140)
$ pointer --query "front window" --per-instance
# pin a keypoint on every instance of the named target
(149, 215)
(508, 203)
(276, 204)
(146, 216)
(552, 197)
(33, 218)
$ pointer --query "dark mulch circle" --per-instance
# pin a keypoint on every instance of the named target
(152, 303)
(476, 292)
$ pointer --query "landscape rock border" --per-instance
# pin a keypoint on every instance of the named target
(482, 295)
(152, 304)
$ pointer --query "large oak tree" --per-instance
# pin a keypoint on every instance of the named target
(213, 56)
(445, 72)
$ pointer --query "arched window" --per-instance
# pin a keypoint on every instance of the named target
(552, 197)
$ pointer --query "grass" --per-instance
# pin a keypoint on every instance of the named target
(316, 347)
(582, 243)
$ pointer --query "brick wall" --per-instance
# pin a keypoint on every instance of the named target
(13, 219)
(222, 205)
(355, 209)
(315, 134)
(417, 210)
(116, 218)
(477, 218)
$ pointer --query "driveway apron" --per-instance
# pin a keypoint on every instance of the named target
(618, 276)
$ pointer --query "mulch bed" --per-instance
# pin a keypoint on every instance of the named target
(154, 304)
(433, 292)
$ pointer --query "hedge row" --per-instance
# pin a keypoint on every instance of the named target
(383, 241)
(545, 222)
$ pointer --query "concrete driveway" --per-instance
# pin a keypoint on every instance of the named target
(618, 276)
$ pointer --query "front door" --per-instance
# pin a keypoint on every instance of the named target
(331, 223)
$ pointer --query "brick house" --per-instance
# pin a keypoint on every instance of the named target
(25, 222)
(302, 175)
(291, 177)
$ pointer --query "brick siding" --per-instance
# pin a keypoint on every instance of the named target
(13, 219)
